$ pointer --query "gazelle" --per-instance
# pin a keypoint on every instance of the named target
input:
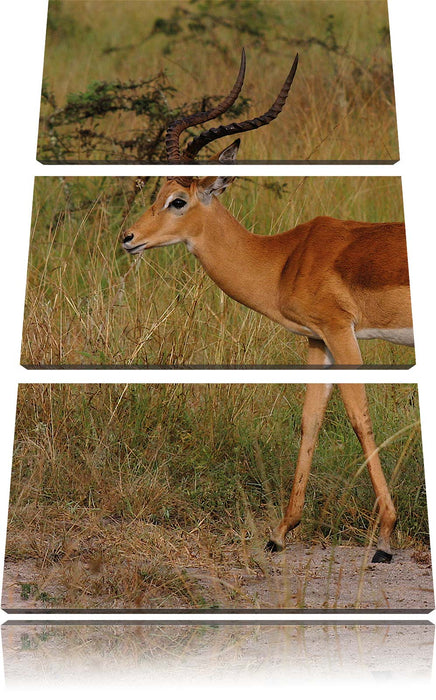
(332, 281)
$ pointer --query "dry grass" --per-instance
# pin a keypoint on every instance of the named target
(120, 493)
(88, 303)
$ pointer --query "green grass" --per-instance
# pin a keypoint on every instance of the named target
(341, 106)
(141, 476)
(89, 303)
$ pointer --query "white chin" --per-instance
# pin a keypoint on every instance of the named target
(137, 249)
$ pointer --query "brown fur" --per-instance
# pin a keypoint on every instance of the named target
(376, 257)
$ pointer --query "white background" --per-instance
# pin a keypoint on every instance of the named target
(413, 38)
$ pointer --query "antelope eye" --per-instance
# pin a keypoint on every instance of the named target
(178, 203)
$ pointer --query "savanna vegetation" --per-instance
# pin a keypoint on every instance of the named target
(116, 73)
(117, 491)
(89, 303)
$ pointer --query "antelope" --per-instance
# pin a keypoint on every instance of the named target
(330, 280)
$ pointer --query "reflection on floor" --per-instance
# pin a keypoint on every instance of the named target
(164, 651)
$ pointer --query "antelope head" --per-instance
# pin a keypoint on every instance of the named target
(180, 211)
(182, 200)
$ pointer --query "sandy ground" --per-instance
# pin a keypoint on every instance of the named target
(227, 652)
(342, 578)
(300, 578)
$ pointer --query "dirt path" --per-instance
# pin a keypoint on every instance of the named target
(300, 578)
(344, 578)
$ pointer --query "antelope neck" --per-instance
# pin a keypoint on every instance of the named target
(244, 265)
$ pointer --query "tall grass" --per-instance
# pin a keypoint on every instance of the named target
(88, 303)
(155, 479)
(341, 105)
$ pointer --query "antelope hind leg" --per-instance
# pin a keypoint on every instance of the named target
(356, 404)
(345, 350)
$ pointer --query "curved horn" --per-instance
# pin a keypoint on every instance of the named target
(177, 127)
(236, 128)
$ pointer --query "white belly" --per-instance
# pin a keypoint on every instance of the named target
(400, 336)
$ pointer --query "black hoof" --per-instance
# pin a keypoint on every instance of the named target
(381, 557)
(273, 546)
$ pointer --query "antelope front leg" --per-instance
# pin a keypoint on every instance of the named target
(315, 403)
(356, 404)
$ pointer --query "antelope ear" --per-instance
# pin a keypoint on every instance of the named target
(208, 186)
(228, 155)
